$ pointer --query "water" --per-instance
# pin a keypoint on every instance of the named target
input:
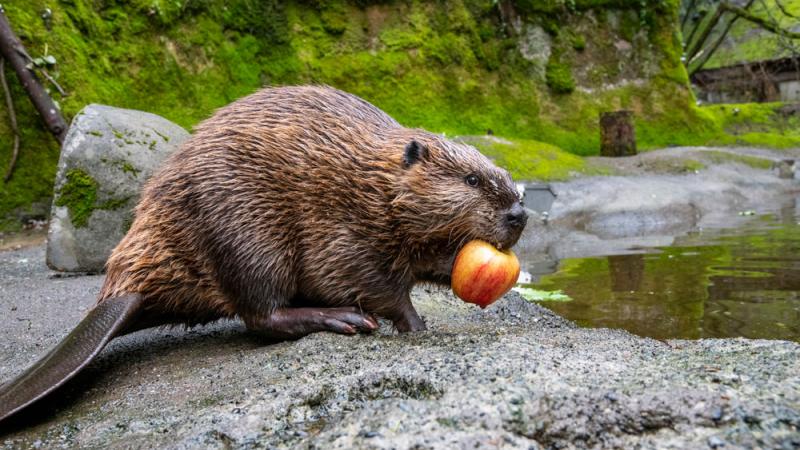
(717, 283)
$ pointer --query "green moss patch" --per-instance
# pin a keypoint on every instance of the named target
(720, 157)
(528, 159)
(754, 124)
(79, 195)
(559, 78)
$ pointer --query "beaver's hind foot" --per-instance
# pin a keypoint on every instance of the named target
(294, 323)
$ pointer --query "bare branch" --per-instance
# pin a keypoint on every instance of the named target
(687, 12)
(710, 25)
(12, 117)
(784, 11)
(760, 21)
(711, 50)
(696, 27)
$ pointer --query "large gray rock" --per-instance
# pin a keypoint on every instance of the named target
(107, 155)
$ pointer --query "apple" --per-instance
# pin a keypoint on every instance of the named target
(482, 274)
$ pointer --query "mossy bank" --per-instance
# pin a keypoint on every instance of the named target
(538, 71)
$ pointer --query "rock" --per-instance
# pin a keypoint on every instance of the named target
(538, 197)
(535, 46)
(784, 168)
(107, 155)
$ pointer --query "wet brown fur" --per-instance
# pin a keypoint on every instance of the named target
(303, 195)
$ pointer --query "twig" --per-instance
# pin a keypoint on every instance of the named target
(12, 116)
(52, 80)
(784, 11)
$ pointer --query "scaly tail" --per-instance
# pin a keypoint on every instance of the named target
(107, 320)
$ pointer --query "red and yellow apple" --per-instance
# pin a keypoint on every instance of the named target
(482, 274)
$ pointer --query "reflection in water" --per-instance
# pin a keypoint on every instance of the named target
(627, 272)
(743, 282)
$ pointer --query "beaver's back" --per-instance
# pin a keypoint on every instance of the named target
(270, 182)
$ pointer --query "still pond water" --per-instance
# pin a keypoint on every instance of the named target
(717, 283)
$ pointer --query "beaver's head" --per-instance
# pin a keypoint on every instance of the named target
(451, 194)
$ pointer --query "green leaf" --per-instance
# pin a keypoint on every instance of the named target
(535, 295)
(50, 60)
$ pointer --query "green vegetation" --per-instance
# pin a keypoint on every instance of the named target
(528, 159)
(535, 295)
(453, 67)
(79, 195)
(691, 165)
(559, 78)
(755, 162)
(756, 124)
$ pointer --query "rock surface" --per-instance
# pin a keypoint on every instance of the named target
(511, 376)
(107, 155)
(655, 196)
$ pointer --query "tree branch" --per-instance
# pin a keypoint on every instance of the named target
(760, 21)
(687, 13)
(690, 38)
(784, 11)
(12, 51)
(711, 50)
(710, 25)
(12, 117)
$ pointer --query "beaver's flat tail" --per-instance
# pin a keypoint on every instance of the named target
(107, 320)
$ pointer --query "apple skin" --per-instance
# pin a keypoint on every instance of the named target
(482, 274)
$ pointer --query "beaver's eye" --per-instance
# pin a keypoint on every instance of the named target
(472, 180)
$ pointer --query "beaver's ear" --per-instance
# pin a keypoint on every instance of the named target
(413, 153)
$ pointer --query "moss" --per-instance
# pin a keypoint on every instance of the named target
(673, 165)
(773, 140)
(579, 43)
(719, 157)
(691, 165)
(754, 124)
(129, 169)
(78, 194)
(113, 204)
(528, 159)
(559, 78)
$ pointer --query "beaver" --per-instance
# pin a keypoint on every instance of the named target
(298, 210)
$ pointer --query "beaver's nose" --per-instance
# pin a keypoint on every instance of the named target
(516, 217)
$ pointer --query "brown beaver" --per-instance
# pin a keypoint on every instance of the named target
(297, 209)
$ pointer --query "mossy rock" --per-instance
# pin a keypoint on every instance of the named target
(107, 156)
